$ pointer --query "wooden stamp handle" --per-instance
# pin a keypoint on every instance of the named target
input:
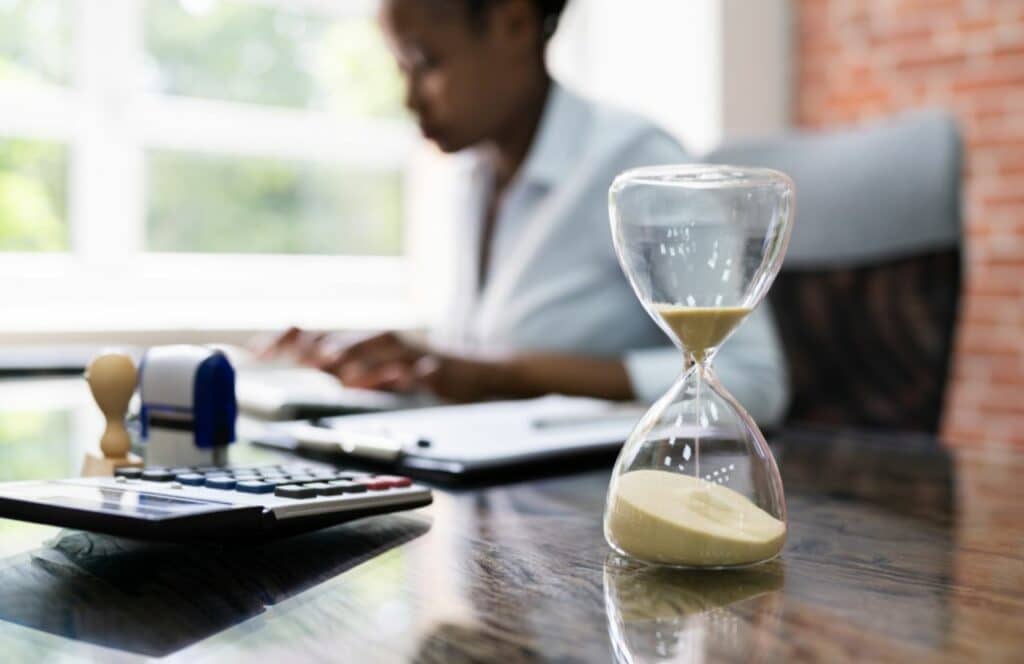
(112, 379)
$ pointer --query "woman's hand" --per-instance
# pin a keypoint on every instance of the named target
(306, 347)
(389, 362)
(380, 362)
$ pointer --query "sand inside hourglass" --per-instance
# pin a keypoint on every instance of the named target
(676, 519)
(701, 328)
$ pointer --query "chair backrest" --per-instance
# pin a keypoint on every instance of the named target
(867, 299)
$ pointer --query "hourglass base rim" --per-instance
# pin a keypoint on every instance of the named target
(667, 565)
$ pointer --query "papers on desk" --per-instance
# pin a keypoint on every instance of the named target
(470, 437)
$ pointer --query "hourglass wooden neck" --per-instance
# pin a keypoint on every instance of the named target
(701, 329)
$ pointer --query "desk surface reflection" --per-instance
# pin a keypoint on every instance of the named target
(898, 550)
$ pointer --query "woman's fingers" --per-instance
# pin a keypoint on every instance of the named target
(391, 377)
(279, 343)
(374, 361)
(309, 347)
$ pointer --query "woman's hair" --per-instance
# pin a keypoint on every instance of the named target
(549, 12)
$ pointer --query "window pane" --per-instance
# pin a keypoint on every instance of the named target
(36, 445)
(33, 196)
(246, 52)
(201, 203)
(35, 41)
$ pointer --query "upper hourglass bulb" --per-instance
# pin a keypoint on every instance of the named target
(695, 484)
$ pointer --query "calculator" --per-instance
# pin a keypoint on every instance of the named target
(210, 503)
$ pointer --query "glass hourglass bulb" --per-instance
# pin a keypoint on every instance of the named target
(695, 484)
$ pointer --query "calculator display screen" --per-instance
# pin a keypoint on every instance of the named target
(129, 502)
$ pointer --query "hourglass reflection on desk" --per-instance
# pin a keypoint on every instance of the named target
(696, 485)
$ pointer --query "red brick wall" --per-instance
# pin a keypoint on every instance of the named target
(860, 59)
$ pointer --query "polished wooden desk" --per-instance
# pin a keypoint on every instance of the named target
(898, 551)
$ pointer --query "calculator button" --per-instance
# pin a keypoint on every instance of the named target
(183, 469)
(329, 489)
(221, 482)
(157, 475)
(317, 486)
(294, 491)
(254, 487)
(301, 479)
(395, 481)
(347, 486)
(191, 479)
(374, 483)
(129, 473)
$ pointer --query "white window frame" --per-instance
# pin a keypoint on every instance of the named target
(107, 121)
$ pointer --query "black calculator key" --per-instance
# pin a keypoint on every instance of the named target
(221, 482)
(191, 479)
(294, 491)
(157, 475)
(254, 487)
(329, 489)
(129, 473)
(347, 486)
(317, 486)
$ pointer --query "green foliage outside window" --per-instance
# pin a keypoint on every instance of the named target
(245, 205)
(244, 52)
(33, 195)
(35, 41)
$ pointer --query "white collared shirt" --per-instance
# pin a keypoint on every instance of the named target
(554, 283)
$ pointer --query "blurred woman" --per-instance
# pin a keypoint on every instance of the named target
(540, 303)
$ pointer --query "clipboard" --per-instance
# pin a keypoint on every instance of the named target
(463, 441)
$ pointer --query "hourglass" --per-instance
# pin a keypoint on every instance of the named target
(695, 484)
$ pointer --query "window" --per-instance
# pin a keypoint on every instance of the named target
(199, 163)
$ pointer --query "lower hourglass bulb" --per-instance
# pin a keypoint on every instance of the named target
(695, 484)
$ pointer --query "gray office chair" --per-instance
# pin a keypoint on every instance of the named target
(867, 299)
